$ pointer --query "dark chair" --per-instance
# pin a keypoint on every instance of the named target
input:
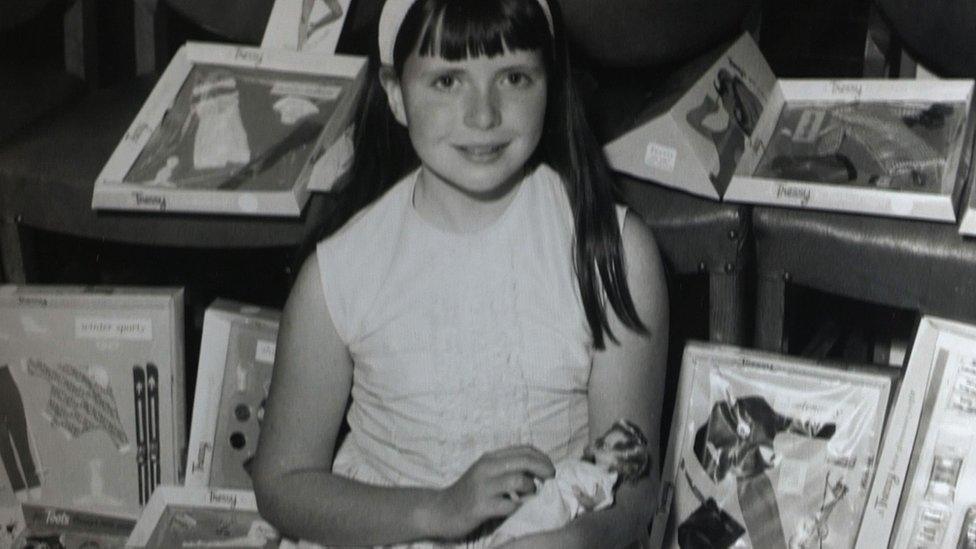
(34, 80)
(937, 34)
(700, 237)
(917, 265)
(921, 266)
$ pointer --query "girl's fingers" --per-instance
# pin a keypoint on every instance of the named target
(518, 449)
(501, 506)
(534, 466)
(525, 459)
(517, 483)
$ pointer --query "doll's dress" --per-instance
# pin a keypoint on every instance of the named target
(557, 500)
(461, 343)
(220, 138)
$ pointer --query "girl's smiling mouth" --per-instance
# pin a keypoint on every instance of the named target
(481, 152)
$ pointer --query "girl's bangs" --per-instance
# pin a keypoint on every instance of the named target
(459, 30)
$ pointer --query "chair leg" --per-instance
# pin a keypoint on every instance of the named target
(770, 313)
(727, 321)
(11, 252)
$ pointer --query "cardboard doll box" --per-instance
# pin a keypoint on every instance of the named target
(91, 396)
(935, 342)
(71, 529)
(235, 130)
(693, 132)
(967, 225)
(896, 148)
(768, 451)
(938, 491)
(181, 516)
(234, 374)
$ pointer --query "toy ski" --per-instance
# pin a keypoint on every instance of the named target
(139, 387)
(152, 394)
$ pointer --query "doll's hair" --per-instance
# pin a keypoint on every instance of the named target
(633, 459)
(456, 30)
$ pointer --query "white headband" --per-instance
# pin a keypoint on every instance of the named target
(394, 11)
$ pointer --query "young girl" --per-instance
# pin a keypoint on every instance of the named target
(477, 310)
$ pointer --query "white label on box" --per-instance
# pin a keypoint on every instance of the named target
(247, 202)
(32, 326)
(792, 476)
(901, 205)
(313, 91)
(265, 351)
(660, 157)
(132, 329)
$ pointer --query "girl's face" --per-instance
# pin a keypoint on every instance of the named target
(474, 123)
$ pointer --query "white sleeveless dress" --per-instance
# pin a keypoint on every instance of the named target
(461, 343)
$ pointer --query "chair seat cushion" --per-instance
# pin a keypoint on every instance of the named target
(919, 265)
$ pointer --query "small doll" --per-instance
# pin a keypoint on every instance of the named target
(580, 485)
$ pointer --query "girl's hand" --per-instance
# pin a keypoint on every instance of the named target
(490, 488)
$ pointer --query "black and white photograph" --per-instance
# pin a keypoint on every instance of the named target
(488, 274)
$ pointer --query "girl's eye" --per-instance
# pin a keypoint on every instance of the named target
(517, 79)
(445, 82)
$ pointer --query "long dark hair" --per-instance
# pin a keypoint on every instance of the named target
(456, 30)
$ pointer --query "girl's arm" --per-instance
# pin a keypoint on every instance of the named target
(627, 381)
(295, 489)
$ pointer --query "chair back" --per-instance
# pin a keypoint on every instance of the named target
(241, 21)
(937, 33)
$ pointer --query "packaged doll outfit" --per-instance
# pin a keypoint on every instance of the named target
(884, 145)
(220, 139)
(462, 343)
(738, 441)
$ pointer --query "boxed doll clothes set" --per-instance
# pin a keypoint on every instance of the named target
(92, 406)
(234, 130)
(52, 527)
(178, 516)
(233, 378)
(768, 451)
(938, 492)
(734, 132)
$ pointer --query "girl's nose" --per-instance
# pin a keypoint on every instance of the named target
(481, 110)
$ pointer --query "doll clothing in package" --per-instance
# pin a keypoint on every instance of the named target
(738, 440)
(578, 487)
(220, 138)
